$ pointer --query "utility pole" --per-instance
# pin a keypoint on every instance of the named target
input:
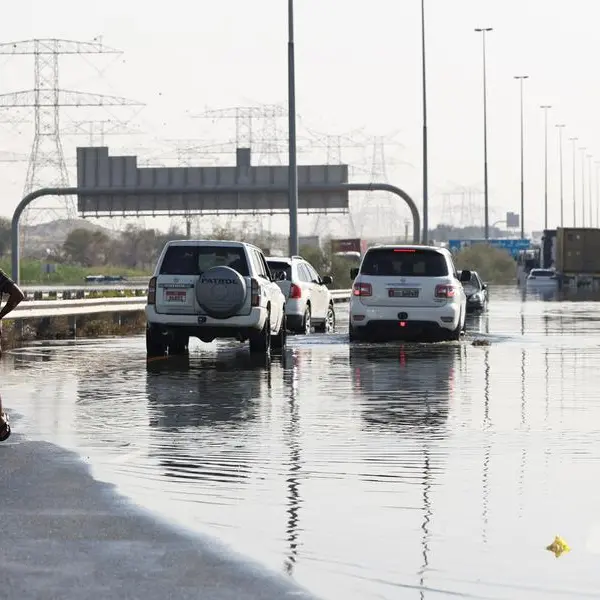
(425, 239)
(545, 108)
(484, 31)
(560, 155)
(521, 79)
(293, 165)
(573, 140)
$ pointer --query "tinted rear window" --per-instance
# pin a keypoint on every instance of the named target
(395, 263)
(541, 273)
(194, 260)
(277, 267)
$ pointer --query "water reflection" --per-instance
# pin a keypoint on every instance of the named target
(405, 384)
(365, 472)
(291, 380)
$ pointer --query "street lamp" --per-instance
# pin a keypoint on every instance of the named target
(293, 165)
(560, 154)
(483, 31)
(545, 108)
(589, 157)
(425, 165)
(583, 186)
(521, 79)
(597, 195)
(573, 140)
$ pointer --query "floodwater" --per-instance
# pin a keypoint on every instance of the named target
(372, 472)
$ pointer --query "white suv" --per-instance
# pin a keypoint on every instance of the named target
(309, 302)
(213, 289)
(408, 292)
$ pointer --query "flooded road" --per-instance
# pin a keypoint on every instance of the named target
(366, 472)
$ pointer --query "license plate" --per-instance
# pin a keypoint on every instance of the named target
(176, 296)
(403, 293)
(201, 320)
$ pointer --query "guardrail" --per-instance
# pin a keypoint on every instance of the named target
(37, 309)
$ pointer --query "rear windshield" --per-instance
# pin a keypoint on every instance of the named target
(277, 267)
(541, 273)
(194, 260)
(390, 262)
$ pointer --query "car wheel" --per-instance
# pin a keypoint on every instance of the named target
(455, 334)
(306, 321)
(278, 341)
(328, 326)
(178, 345)
(155, 344)
(353, 335)
(260, 341)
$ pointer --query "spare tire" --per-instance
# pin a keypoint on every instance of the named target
(221, 292)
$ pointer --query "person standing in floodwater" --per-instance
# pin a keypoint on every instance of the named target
(15, 296)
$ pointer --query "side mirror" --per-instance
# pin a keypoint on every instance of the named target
(484, 286)
(465, 276)
(354, 273)
(282, 276)
(327, 280)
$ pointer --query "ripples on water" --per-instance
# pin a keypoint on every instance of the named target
(366, 472)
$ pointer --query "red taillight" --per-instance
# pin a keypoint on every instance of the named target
(404, 250)
(295, 291)
(254, 293)
(152, 291)
(362, 289)
(445, 291)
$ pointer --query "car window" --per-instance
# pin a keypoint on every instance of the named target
(195, 260)
(400, 262)
(279, 267)
(542, 273)
(314, 276)
(303, 274)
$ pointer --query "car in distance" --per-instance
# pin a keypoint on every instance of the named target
(407, 292)
(309, 301)
(542, 278)
(213, 289)
(476, 292)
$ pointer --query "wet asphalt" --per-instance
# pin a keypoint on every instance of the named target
(359, 472)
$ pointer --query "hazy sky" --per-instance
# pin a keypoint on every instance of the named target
(357, 66)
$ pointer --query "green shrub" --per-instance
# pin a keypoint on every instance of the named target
(494, 265)
(32, 273)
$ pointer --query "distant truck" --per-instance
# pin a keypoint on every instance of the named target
(577, 253)
(349, 245)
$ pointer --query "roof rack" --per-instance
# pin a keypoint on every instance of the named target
(298, 256)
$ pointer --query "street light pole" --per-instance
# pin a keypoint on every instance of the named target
(425, 238)
(589, 157)
(521, 79)
(546, 107)
(573, 140)
(483, 31)
(597, 195)
(293, 165)
(560, 155)
(583, 186)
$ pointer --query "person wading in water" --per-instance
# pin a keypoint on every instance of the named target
(7, 288)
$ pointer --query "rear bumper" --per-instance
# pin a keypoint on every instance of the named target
(393, 330)
(417, 322)
(238, 326)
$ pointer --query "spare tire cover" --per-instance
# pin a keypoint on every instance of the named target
(221, 292)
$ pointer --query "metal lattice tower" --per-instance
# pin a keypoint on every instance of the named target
(245, 132)
(47, 167)
(334, 144)
(96, 131)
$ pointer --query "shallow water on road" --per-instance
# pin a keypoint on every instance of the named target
(365, 471)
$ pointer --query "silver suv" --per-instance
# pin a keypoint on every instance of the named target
(309, 302)
(213, 289)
